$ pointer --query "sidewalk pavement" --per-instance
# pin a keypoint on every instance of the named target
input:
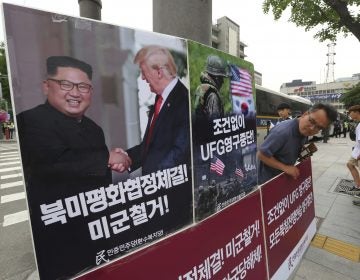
(338, 220)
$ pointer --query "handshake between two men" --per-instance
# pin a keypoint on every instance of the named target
(119, 160)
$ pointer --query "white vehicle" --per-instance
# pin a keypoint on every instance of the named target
(266, 103)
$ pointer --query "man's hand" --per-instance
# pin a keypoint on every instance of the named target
(119, 160)
(292, 171)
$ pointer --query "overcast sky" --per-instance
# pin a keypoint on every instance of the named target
(279, 50)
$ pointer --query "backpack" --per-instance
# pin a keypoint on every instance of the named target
(352, 132)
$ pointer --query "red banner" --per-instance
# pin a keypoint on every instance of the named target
(228, 245)
(289, 213)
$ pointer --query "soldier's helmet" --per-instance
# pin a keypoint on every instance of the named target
(216, 66)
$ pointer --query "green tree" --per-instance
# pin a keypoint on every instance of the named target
(4, 77)
(351, 97)
(332, 17)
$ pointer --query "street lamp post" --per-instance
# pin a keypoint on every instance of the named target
(90, 8)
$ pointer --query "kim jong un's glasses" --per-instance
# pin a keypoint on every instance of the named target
(67, 85)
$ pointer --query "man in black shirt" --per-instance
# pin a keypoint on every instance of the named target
(284, 112)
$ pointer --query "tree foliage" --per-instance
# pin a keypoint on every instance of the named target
(351, 97)
(330, 17)
(4, 75)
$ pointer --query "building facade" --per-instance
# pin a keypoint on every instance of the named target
(225, 36)
(325, 92)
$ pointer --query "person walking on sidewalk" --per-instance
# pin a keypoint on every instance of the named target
(353, 163)
(11, 127)
(345, 128)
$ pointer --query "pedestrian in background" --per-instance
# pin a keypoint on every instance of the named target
(337, 129)
(353, 163)
(11, 128)
(284, 112)
(345, 127)
(325, 134)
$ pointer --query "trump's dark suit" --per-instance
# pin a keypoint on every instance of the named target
(169, 145)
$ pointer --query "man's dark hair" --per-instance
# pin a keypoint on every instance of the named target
(330, 111)
(53, 62)
(355, 108)
(282, 106)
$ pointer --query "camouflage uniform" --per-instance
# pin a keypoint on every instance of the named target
(207, 101)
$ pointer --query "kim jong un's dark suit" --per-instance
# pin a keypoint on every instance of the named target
(62, 157)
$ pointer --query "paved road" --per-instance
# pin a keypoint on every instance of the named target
(17, 260)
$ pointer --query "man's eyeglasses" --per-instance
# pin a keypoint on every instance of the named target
(314, 124)
(67, 85)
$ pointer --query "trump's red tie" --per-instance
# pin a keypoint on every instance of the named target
(156, 113)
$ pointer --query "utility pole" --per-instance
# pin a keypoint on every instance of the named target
(190, 19)
(90, 8)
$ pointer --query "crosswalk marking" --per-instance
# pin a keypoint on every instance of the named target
(12, 197)
(9, 158)
(4, 154)
(15, 218)
(2, 170)
(9, 176)
(11, 184)
(13, 154)
(9, 163)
